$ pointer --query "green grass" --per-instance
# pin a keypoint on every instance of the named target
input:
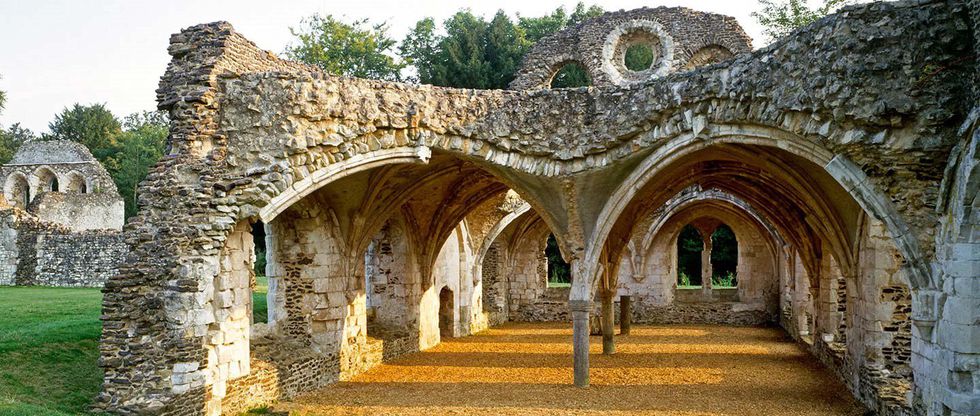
(49, 350)
(260, 306)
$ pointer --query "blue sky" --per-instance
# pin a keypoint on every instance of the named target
(54, 53)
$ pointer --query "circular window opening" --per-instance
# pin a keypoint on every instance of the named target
(638, 57)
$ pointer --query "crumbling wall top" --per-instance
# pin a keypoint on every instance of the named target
(48, 152)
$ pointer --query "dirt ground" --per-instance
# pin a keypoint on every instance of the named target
(526, 370)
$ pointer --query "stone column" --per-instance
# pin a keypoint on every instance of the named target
(608, 324)
(706, 271)
(625, 315)
(580, 340)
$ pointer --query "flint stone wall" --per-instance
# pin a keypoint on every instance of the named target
(675, 34)
(38, 253)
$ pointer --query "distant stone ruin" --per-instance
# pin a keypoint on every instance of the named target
(844, 159)
(61, 222)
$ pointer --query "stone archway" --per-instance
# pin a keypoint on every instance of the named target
(17, 190)
(333, 159)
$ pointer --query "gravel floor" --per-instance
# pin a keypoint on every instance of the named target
(525, 369)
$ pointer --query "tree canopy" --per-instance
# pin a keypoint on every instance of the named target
(780, 17)
(10, 140)
(91, 125)
(140, 145)
(470, 52)
(464, 51)
(355, 49)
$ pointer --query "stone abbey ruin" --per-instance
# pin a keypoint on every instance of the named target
(61, 220)
(844, 158)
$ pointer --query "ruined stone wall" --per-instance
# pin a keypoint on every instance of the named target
(530, 299)
(679, 38)
(946, 341)
(447, 272)
(61, 182)
(495, 286)
(80, 212)
(393, 286)
(251, 133)
(864, 331)
(34, 252)
(230, 308)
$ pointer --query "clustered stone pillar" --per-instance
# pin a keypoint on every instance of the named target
(580, 340)
(608, 324)
(625, 315)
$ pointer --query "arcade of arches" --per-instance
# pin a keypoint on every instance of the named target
(397, 216)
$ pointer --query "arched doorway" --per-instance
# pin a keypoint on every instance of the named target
(446, 313)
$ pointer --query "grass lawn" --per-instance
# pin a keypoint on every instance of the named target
(260, 307)
(49, 348)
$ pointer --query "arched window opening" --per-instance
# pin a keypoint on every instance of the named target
(47, 181)
(559, 271)
(639, 57)
(689, 247)
(571, 75)
(17, 191)
(446, 308)
(708, 55)
(724, 257)
(260, 291)
(76, 184)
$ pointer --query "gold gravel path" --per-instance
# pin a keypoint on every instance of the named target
(526, 369)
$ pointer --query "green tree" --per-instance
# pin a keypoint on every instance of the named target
(461, 59)
(536, 28)
(780, 17)
(91, 125)
(138, 149)
(11, 139)
(724, 255)
(419, 50)
(3, 99)
(559, 271)
(355, 49)
(474, 53)
(689, 247)
(505, 47)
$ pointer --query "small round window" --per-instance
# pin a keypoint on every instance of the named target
(636, 52)
(638, 57)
